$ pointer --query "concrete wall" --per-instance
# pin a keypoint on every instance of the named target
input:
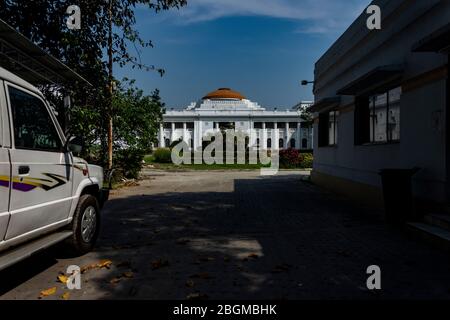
(422, 143)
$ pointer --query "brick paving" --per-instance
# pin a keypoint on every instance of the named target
(236, 235)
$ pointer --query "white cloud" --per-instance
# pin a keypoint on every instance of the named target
(319, 16)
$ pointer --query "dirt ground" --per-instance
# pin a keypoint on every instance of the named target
(237, 235)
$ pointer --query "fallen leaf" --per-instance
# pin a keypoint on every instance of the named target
(253, 256)
(100, 265)
(128, 274)
(115, 280)
(84, 269)
(104, 264)
(66, 296)
(48, 292)
(63, 278)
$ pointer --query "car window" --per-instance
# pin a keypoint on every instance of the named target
(33, 126)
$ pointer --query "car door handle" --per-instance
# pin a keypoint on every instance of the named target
(23, 170)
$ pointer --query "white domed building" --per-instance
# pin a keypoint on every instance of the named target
(228, 109)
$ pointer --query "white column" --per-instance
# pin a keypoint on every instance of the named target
(162, 142)
(263, 137)
(252, 139)
(184, 133)
(276, 143)
(286, 141)
(217, 126)
(195, 135)
(299, 136)
(172, 134)
(200, 134)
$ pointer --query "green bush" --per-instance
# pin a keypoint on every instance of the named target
(162, 155)
(290, 158)
(307, 161)
(129, 162)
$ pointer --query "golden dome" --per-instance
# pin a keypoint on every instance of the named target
(224, 93)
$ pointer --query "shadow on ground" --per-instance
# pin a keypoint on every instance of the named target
(271, 238)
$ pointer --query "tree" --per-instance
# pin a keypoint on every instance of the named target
(305, 114)
(106, 26)
(136, 118)
(44, 22)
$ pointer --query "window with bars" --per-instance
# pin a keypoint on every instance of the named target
(377, 118)
(328, 128)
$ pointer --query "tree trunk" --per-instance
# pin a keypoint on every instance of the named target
(110, 89)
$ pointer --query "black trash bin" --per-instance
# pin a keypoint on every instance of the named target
(397, 192)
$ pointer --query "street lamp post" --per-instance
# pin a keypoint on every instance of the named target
(306, 82)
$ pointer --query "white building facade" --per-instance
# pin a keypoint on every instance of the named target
(382, 102)
(227, 109)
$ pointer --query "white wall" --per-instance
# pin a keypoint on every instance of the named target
(421, 145)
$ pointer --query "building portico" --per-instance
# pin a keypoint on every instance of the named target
(226, 109)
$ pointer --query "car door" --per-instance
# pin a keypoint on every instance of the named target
(5, 165)
(41, 171)
(4, 190)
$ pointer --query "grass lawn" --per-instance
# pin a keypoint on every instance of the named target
(171, 166)
(150, 160)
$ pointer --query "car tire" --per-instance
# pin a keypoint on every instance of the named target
(85, 225)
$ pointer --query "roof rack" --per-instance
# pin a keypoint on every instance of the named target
(27, 60)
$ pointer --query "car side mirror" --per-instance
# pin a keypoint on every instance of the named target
(75, 145)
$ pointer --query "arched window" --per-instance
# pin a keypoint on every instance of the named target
(269, 143)
(167, 142)
(305, 143)
(292, 143)
(281, 144)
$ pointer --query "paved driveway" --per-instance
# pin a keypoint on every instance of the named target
(236, 235)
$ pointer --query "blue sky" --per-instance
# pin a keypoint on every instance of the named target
(261, 48)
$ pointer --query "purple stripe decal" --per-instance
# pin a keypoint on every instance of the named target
(4, 183)
(23, 187)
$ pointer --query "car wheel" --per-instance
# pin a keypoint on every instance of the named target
(85, 225)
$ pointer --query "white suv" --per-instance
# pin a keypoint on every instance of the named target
(46, 194)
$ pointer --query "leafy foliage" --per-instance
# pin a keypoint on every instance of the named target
(136, 118)
(162, 155)
(44, 23)
(290, 158)
(293, 158)
(129, 161)
(307, 161)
